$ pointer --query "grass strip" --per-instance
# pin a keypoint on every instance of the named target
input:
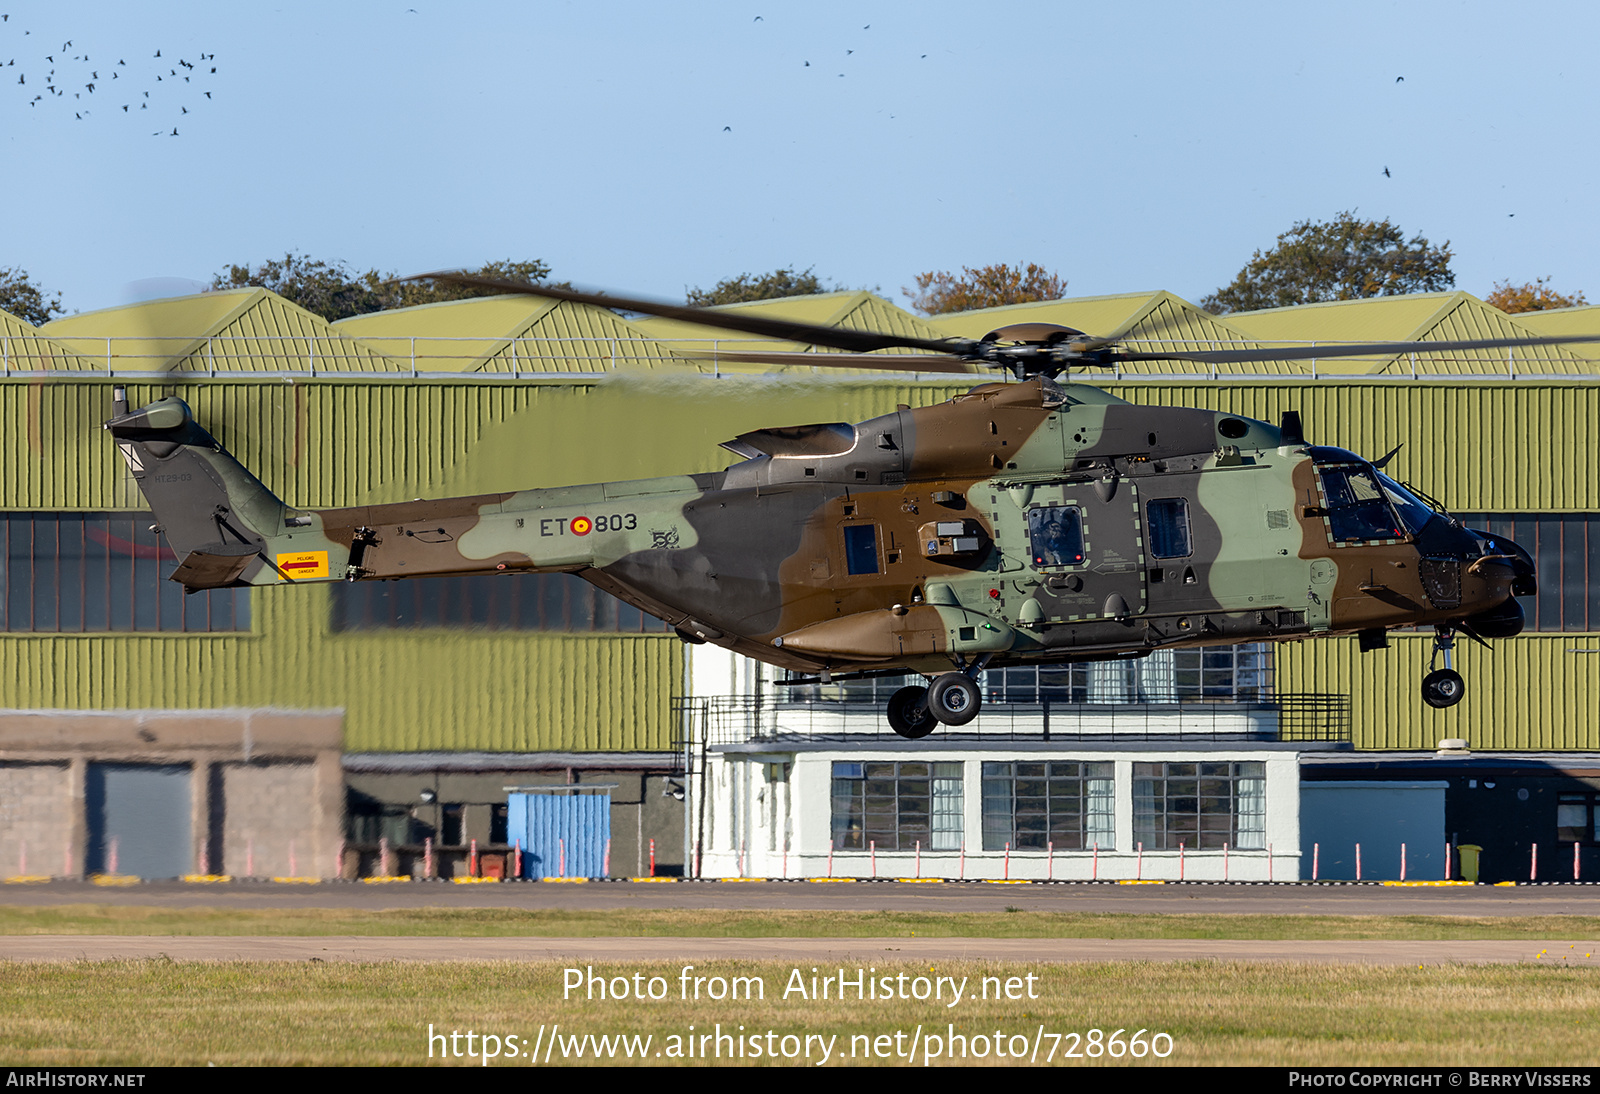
(686, 923)
(130, 1013)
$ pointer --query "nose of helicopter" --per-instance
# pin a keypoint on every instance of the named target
(1506, 572)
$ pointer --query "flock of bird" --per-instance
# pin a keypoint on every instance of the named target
(91, 87)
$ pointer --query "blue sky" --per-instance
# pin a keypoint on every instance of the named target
(647, 147)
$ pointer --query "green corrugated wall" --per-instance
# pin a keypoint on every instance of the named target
(1525, 446)
(339, 443)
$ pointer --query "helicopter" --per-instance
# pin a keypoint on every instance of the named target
(1032, 520)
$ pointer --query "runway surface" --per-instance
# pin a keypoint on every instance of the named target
(825, 951)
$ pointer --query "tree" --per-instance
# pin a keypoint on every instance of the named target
(535, 272)
(1343, 259)
(334, 291)
(747, 287)
(25, 300)
(1535, 295)
(328, 289)
(939, 292)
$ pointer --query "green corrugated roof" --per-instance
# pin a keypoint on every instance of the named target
(1579, 320)
(500, 334)
(233, 330)
(1148, 322)
(1421, 317)
(24, 349)
(857, 310)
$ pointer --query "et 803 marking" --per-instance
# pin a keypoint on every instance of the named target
(582, 526)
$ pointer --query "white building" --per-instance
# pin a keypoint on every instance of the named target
(1138, 781)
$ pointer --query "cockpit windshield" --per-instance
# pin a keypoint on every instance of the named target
(1413, 511)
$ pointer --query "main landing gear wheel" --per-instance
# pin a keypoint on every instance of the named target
(1443, 688)
(909, 715)
(954, 699)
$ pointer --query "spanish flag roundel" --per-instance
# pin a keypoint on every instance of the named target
(581, 525)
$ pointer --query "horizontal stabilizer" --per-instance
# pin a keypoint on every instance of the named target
(216, 567)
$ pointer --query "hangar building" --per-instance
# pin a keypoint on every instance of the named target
(376, 727)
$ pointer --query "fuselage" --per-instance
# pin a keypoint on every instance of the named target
(1022, 522)
(1016, 523)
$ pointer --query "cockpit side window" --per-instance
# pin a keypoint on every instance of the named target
(1357, 508)
(1055, 533)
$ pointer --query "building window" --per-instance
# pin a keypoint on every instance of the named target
(896, 806)
(1228, 674)
(368, 820)
(518, 602)
(1566, 549)
(1033, 806)
(75, 573)
(452, 824)
(1220, 674)
(1201, 806)
(1575, 818)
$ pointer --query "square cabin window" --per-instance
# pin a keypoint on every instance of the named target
(1169, 527)
(861, 548)
(1055, 533)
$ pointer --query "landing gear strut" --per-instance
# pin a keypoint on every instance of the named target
(1443, 687)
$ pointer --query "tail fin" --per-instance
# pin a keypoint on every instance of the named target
(217, 516)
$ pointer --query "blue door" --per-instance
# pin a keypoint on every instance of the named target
(139, 819)
(562, 834)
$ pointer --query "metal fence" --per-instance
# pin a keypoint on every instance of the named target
(722, 720)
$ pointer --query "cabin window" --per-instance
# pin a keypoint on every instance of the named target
(1056, 535)
(1168, 519)
(896, 806)
(75, 573)
(861, 548)
(1034, 806)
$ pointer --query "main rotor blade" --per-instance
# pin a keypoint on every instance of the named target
(907, 362)
(1367, 349)
(787, 330)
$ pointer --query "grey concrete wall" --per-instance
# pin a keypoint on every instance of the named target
(35, 818)
(268, 777)
(269, 822)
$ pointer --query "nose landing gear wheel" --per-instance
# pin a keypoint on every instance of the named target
(954, 699)
(908, 713)
(1443, 688)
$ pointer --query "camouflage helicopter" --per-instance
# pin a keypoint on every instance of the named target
(1025, 522)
